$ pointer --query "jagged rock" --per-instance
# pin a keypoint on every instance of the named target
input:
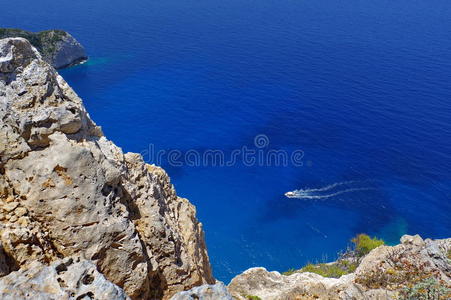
(415, 258)
(382, 274)
(57, 47)
(71, 278)
(275, 286)
(411, 240)
(216, 291)
(78, 194)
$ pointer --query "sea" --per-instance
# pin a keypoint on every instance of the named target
(348, 103)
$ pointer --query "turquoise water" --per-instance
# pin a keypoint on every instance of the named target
(362, 88)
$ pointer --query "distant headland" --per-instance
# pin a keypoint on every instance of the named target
(57, 47)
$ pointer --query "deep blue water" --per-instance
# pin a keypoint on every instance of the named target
(362, 87)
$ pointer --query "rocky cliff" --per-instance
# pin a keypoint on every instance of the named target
(67, 191)
(57, 47)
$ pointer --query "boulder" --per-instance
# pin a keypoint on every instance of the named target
(216, 291)
(275, 286)
(70, 278)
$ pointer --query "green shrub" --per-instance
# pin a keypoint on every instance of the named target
(348, 261)
(33, 38)
(324, 270)
(290, 271)
(349, 266)
(334, 270)
(364, 244)
(44, 41)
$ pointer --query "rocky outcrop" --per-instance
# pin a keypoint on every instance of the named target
(57, 47)
(273, 285)
(71, 278)
(411, 261)
(66, 190)
(216, 291)
(385, 273)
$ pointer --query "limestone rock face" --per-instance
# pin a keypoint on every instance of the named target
(66, 190)
(216, 291)
(70, 278)
(382, 274)
(57, 47)
(68, 52)
(415, 258)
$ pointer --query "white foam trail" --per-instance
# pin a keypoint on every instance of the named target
(328, 187)
(316, 230)
(302, 196)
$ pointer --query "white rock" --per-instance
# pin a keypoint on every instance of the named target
(71, 278)
(216, 291)
(412, 240)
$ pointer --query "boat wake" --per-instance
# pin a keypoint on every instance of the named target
(329, 191)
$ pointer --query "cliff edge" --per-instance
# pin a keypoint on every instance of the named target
(415, 269)
(57, 47)
(67, 191)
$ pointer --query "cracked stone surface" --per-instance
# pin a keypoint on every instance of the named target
(70, 278)
(66, 190)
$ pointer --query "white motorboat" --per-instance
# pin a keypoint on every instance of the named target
(290, 194)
